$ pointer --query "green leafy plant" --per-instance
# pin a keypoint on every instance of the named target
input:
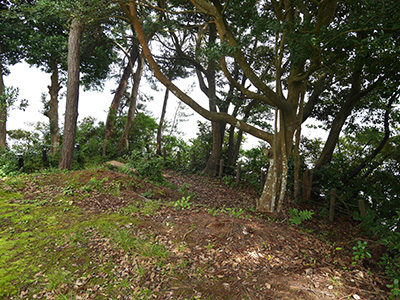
(229, 180)
(297, 217)
(360, 252)
(183, 203)
(395, 289)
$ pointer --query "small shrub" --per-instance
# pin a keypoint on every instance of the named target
(183, 203)
(299, 216)
(360, 252)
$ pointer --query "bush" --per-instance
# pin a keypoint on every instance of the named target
(8, 162)
(147, 166)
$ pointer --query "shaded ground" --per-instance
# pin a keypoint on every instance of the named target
(199, 240)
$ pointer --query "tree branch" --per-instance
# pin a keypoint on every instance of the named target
(212, 116)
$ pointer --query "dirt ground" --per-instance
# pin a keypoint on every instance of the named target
(243, 255)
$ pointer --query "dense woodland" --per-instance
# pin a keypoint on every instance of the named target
(267, 68)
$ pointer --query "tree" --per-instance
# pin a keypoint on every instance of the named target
(348, 90)
(81, 14)
(12, 34)
(123, 142)
(47, 48)
(293, 65)
(71, 109)
(123, 83)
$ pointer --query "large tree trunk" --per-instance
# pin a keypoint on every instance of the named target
(112, 113)
(272, 197)
(161, 123)
(3, 111)
(52, 112)
(71, 108)
(124, 141)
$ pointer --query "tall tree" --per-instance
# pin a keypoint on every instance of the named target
(123, 142)
(71, 109)
(81, 14)
(12, 34)
(46, 48)
(123, 83)
(301, 68)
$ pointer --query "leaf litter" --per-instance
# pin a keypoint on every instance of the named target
(123, 245)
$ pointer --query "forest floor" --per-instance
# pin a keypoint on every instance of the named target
(102, 234)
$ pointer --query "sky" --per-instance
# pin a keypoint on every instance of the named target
(32, 82)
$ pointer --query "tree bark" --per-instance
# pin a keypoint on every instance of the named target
(52, 112)
(161, 123)
(3, 110)
(112, 113)
(71, 108)
(213, 161)
(124, 141)
(340, 118)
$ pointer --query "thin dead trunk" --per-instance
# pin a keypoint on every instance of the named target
(124, 141)
(52, 112)
(71, 108)
(112, 113)
(161, 123)
(3, 111)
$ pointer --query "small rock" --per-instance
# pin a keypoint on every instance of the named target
(309, 271)
(360, 274)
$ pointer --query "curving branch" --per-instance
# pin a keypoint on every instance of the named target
(131, 11)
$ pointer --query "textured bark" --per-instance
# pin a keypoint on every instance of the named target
(212, 165)
(286, 122)
(3, 112)
(124, 142)
(161, 123)
(112, 113)
(338, 122)
(71, 108)
(52, 112)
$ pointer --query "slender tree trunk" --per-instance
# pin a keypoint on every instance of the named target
(52, 112)
(161, 123)
(212, 165)
(71, 108)
(112, 113)
(338, 122)
(3, 111)
(124, 141)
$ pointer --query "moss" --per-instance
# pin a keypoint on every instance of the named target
(44, 242)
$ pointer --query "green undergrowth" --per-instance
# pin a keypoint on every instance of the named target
(51, 247)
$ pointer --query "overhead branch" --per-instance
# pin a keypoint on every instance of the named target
(212, 116)
(383, 142)
(228, 38)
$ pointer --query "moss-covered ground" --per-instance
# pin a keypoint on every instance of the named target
(99, 234)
